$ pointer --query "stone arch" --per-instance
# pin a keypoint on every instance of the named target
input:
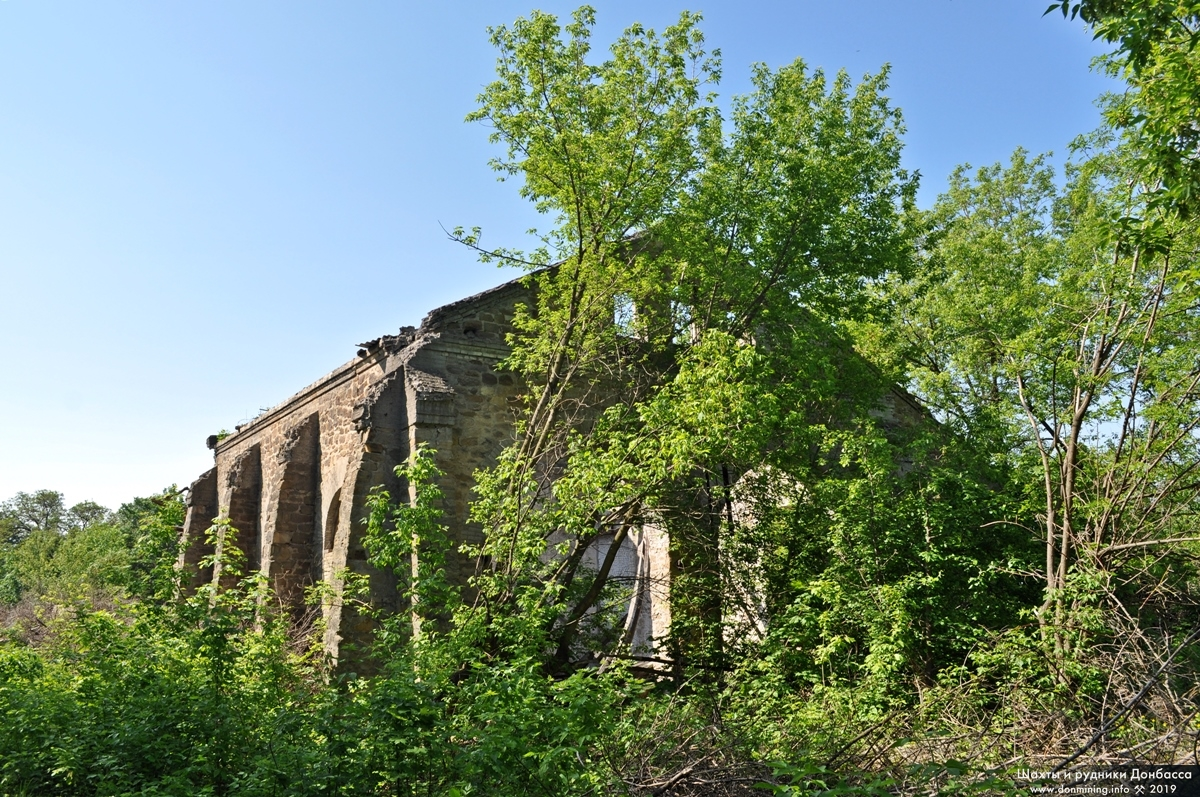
(331, 565)
(332, 518)
(245, 508)
(293, 537)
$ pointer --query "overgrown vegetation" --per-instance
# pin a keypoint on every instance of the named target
(867, 597)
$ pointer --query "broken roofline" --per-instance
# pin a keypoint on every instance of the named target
(371, 354)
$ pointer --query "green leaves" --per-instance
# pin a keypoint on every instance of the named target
(604, 147)
(181, 698)
(409, 539)
(800, 205)
(1055, 329)
(1157, 54)
(686, 337)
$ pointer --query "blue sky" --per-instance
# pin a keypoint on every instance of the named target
(204, 206)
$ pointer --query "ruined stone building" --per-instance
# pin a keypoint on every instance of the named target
(294, 480)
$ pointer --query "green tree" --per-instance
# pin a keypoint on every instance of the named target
(85, 514)
(26, 513)
(62, 554)
(44, 510)
(1065, 343)
(686, 367)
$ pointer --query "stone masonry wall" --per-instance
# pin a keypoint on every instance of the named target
(294, 481)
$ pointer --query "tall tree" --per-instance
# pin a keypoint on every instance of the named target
(1067, 346)
(693, 272)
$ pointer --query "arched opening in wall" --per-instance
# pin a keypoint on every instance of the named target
(622, 571)
(245, 505)
(291, 540)
(331, 519)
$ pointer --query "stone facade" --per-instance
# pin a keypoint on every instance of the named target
(293, 482)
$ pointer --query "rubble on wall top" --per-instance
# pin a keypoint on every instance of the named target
(426, 384)
(389, 343)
